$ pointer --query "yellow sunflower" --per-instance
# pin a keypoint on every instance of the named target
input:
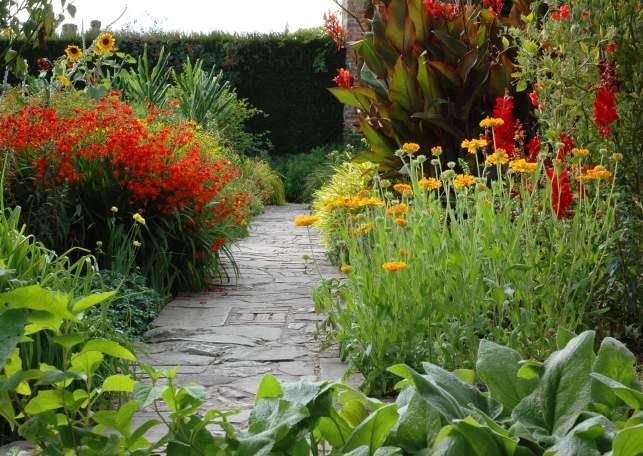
(73, 52)
(106, 42)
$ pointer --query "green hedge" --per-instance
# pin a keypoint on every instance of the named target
(284, 75)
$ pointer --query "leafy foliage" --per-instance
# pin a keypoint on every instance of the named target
(435, 264)
(426, 75)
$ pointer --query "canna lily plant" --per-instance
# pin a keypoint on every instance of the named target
(429, 69)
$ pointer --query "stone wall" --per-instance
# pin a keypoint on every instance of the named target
(358, 8)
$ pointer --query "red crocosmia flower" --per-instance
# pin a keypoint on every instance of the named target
(533, 149)
(344, 78)
(568, 145)
(611, 48)
(561, 194)
(535, 102)
(505, 133)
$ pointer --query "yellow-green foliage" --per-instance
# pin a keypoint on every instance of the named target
(65, 103)
(268, 183)
(348, 180)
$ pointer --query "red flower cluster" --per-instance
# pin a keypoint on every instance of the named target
(160, 169)
(503, 109)
(561, 14)
(568, 145)
(344, 78)
(605, 112)
(43, 64)
(495, 6)
(334, 29)
(437, 8)
(561, 194)
(533, 98)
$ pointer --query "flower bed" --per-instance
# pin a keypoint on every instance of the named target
(143, 191)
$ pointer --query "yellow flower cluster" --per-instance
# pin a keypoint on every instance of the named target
(397, 210)
(498, 157)
(306, 220)
(400, 222)
(598, 172)
(363, 229)
(436, 150)
(403, 188)
(346, 268)
(463, 180)
(355, 202)
(522, 166)
(430, 183)
(394, 266)
(580, 152)
(491, 122)
(138, 218)
(473, 145)
(410, 148)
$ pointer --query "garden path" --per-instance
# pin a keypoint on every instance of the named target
(226, 339)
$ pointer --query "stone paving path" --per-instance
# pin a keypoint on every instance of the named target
(228, 338)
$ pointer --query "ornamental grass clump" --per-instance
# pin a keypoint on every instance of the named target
(509, 251)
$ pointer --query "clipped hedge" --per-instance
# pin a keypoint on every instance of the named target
(284, 75)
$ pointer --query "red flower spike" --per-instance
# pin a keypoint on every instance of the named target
(561, 194)
(334, 30)
(503, 109)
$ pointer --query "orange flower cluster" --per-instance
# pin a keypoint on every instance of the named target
(160, 169)
(358, 201)
(397, 210)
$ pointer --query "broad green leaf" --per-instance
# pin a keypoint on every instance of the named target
(374, 430)
(564, 389)
(530, 369)
(450, 442)
(468, 376)
(497, 367)
(146, 394)
(454, 45)
(465, 394)
(37, 298)
(483, 440)
(396, 31)
(86, 363)
(89, 301)
(70, 340)
(436, 396)
(44, 401)
(119, 383)
(12, 328)
(615, 361)
(630, 396)
(629, 442)
(418, 423)
(583, 438)
(110, 348)
(269, 388)
(403, 87)
(366, 51)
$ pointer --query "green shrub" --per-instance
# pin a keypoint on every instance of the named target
(305, 173)
(131, 310)
(267, 183)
